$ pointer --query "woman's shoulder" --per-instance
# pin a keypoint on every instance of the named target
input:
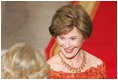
(92, 60)
(54, 63)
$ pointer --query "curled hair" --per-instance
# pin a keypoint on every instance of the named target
(25, 62)
(70, 16)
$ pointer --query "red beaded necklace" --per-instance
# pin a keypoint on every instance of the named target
(73, 69)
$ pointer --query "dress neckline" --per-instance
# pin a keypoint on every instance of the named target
(87, 70)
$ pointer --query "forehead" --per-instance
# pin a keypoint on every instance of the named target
(73, 32)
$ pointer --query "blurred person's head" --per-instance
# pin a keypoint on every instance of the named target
(22, 61)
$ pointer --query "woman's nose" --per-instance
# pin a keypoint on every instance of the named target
(67, 44)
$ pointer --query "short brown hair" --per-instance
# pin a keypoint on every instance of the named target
(69, 16)
(22, 61)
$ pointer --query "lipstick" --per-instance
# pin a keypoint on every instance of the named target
(70, 51)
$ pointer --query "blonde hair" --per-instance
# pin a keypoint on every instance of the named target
(24, 61)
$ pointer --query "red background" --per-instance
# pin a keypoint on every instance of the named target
(103, 41)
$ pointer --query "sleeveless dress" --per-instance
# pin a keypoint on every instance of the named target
(98, 72)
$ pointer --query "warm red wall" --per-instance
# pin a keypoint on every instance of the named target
(103, 41)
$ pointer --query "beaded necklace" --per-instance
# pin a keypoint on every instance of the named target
(73, 69)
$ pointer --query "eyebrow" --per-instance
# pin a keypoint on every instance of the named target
(61, 36)
(70, 37)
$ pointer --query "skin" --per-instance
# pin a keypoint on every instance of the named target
(70, 43)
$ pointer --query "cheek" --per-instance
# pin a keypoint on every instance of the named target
(59, 42)
(77, 43)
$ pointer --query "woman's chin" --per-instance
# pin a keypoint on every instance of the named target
(69, 56)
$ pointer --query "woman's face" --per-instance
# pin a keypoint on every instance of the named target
(70, 43)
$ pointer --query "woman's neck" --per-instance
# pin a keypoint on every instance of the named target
(75, 61)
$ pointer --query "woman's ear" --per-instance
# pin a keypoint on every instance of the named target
(55, 37)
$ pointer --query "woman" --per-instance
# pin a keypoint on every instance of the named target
(22, 61)
(71, 26)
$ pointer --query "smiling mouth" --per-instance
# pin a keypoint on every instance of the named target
(68, 51)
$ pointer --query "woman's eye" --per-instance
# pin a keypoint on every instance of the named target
(73, 38)
(61, 37)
